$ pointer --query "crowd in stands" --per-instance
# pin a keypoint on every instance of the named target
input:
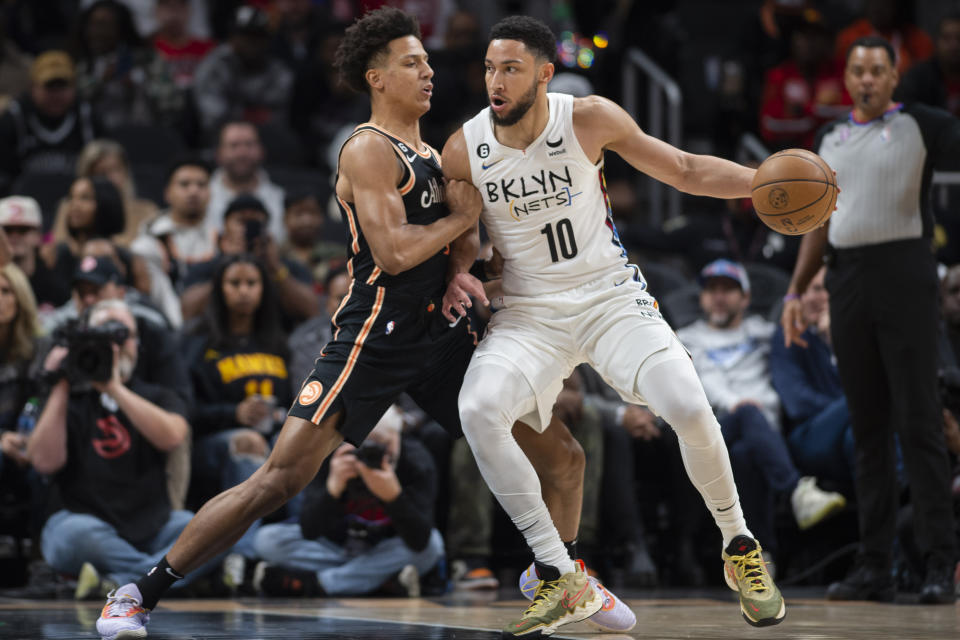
(165, 189)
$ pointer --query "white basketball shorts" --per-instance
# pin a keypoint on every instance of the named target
(615, 328)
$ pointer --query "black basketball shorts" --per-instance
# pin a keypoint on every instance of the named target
(385, 345)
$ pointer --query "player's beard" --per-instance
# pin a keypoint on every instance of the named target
(516, 114)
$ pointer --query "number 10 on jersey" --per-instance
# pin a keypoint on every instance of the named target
(563, 237)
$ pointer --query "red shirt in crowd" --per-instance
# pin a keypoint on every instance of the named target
(794, 106)
(183, 59)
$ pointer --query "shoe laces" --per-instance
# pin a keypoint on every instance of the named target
(543, 597)
(750, 568)
(121, 606)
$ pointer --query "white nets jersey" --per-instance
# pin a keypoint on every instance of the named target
(545, 207)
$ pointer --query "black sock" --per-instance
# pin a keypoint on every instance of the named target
(572, 548)
(546, 572)
(157, 580)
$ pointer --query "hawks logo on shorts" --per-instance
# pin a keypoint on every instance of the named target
(310, 392)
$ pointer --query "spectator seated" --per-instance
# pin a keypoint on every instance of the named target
(367, 520)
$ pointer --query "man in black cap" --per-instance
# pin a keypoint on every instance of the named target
(245, 230)
(98, 278)
(240, 79)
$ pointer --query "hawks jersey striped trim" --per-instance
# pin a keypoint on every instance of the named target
(352, 358)
(352, 223)
(343, 303)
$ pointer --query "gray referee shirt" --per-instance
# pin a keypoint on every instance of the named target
(884, 168)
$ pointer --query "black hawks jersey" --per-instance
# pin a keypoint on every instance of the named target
(421, 187)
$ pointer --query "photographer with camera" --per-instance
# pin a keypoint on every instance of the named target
(367, 518)
(246, 224)
(103, 434)
(98, 278)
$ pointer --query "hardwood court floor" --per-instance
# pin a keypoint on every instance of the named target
(711, 615)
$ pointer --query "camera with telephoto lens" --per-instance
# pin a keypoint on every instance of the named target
(90, 358)
(371, 453)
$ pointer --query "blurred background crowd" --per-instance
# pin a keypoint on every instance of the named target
(178, 155)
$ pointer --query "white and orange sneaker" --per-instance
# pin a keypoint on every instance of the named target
(614, 614)
(123, 617)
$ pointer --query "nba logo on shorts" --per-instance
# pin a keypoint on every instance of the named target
(310, 392)
(390, 326)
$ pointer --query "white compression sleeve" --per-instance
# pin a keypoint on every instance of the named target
(494, 395)
(674, 392)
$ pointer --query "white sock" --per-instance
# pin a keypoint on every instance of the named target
(493, 396)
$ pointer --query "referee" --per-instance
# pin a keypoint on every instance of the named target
(884, 315)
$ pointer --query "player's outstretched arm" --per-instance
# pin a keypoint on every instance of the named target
(602, 124)
(371, 171)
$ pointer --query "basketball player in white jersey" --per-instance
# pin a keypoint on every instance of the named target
(569, 296)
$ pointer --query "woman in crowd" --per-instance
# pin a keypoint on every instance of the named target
(93, 209)
(238, 365)
(19, 329)
(108, 159)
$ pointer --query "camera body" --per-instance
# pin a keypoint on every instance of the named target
(90, 358)
(371, 453)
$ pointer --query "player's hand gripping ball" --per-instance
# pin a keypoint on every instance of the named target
(794, 191)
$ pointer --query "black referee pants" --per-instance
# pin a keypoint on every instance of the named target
(884, 309)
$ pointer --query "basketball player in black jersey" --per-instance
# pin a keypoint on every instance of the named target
(390, 336)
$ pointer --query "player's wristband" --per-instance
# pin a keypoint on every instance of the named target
(791, 297)
(479, 270)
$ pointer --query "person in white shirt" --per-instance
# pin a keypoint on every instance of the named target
(180, 236)
(731, 352)
(240, 170)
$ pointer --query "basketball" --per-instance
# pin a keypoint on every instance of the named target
(794, 191)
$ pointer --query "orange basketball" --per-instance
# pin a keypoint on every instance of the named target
(794, 191)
